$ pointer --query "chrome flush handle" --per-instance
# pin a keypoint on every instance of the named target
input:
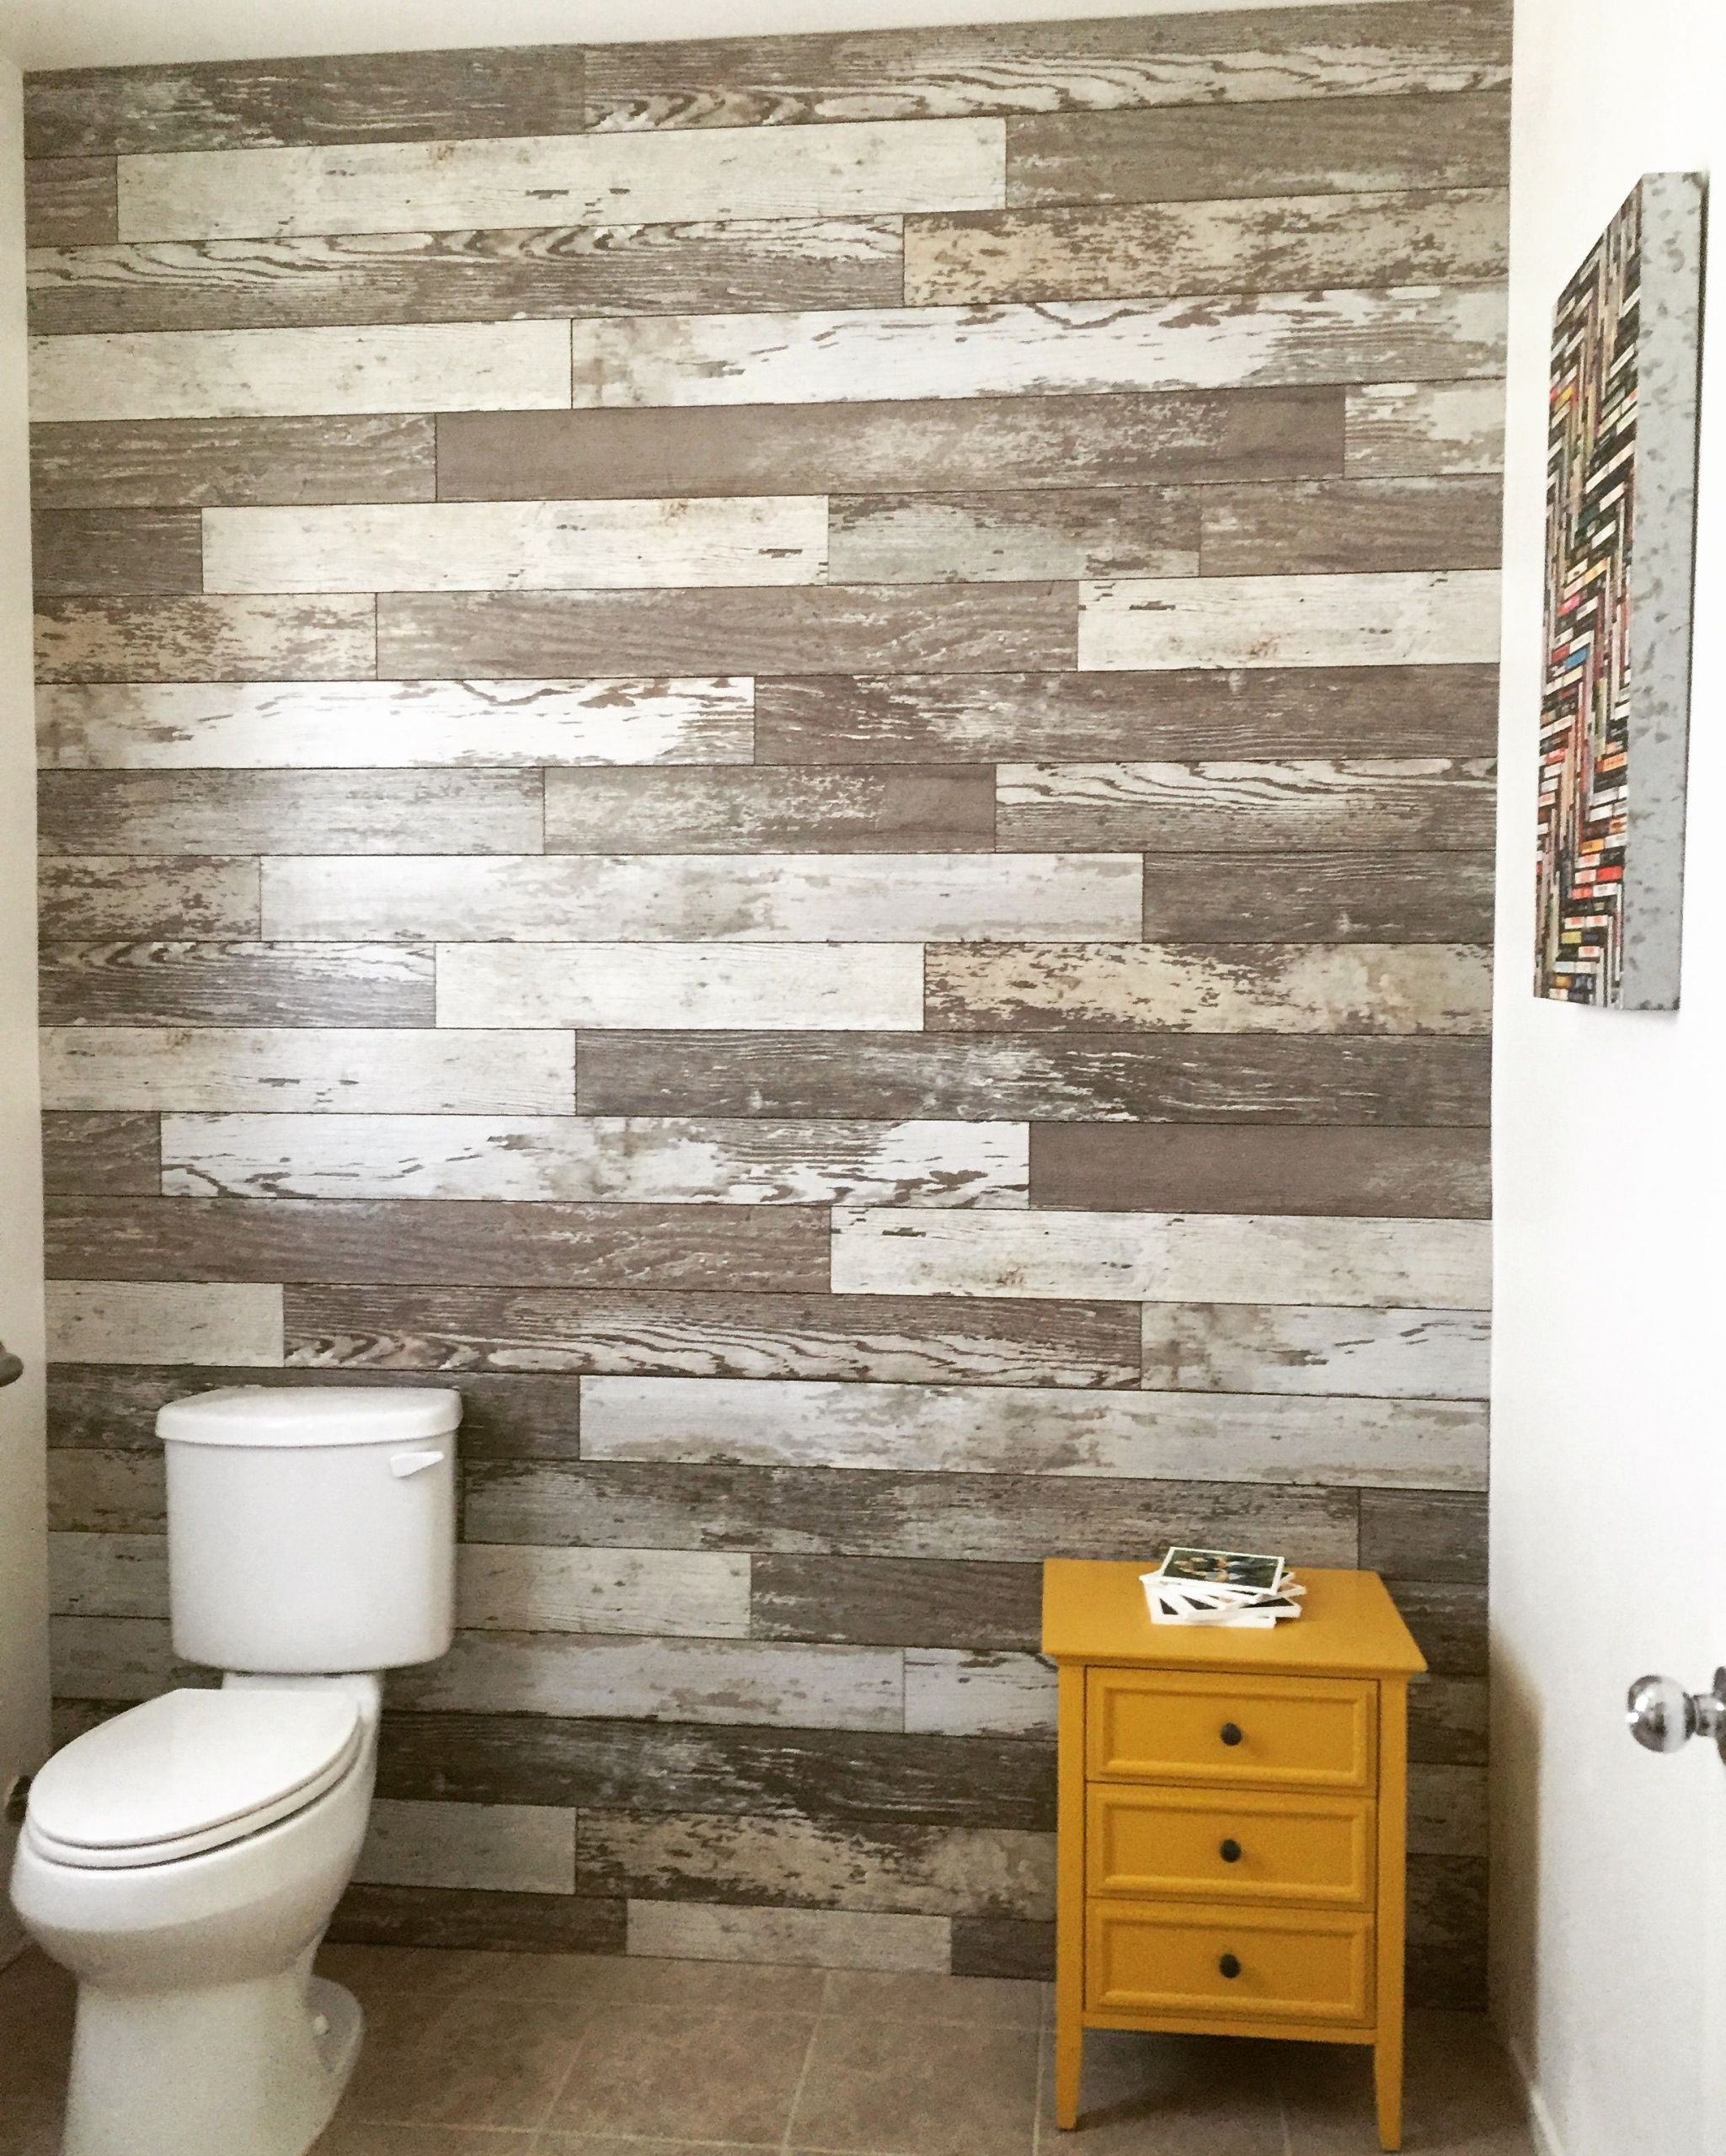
(1663, 1717)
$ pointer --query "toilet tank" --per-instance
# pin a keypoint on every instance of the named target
(312, 1531)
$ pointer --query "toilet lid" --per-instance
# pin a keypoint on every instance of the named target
(190, 1771)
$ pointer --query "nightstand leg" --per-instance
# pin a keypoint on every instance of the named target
(1070, 1899)
(1387, 2085)
(1069, 2060)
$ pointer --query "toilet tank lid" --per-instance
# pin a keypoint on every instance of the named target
(310, 1415)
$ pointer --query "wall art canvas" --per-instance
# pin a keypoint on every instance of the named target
(1621, 517)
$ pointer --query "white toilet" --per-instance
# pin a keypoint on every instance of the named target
(183, 1859)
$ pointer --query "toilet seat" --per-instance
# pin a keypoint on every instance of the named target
(190, 1771)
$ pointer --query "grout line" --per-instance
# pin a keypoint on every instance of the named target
(803, 2075)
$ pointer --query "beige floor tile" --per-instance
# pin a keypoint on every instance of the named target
(470, 2061)
(621, 1980)
(918, 2088)
(881, 1994)
(1172, 2096)
(370, 1970)
(362, 2137)
(1460, 2097)
(683, 2072)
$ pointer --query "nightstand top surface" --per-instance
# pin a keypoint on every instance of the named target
(1349, 1627)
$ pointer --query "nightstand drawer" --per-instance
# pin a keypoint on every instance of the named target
(1210, 1846)
(1209, 1963)
(1165, 1725)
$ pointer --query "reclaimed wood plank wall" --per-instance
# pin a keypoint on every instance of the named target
(777, 750)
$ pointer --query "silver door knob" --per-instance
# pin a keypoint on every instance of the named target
(1663, 1717)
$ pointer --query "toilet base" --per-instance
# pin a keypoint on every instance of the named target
(240, 2069)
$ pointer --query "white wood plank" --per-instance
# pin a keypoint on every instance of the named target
(1397, 428)
(312, 1070)
(114, 1658)
(816, 1939)
(107, 1575)
(552, 546)
(736, 1162)
(856, 169)
(673, 897)
(758, 987)
(164, 1321)
(521, 1849)
(1258, 1348)
(763, 1682)
(1002, 1430)
(371, 725)
(1392, 618)
(1415, 333)
(1217, 1257)
(489, 366)
(689, 1593)
(950, 1693)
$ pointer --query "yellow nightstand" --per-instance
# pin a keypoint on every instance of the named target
(1232, 1821)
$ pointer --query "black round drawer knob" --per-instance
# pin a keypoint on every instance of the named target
(1230, 1733)
(1230, 1966)
(1230, 1852)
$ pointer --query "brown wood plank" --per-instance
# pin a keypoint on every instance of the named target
(75, 551)
(199, 639)
(1447, 1927)
(896, 1602)
(239, 463)
(1361, 145)
(1011, 1947)
(936, 445)
(1362, 711)
(497, 1922)
(693, 810)
(112, 1155)
(1448, 1623)
(305, 811)
(1341, 898)
(132, 895)
(194, 983)
(1324, 527)
(1194, 1168)
(841, 628)
(1447, 1721)
(407, 97)
(1050, 1077)
(1425, 1534)
(997, 537)
(70, 202)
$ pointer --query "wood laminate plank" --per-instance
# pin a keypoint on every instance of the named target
(1276, 1347)
(1426, 1537)
(1351, 987)
(1003, 536)
(132, 895)
(166, 983)
(1320, 898)
(70, 202)
(1327, 527)
(1390, 618)
(480, 1848)
(1195, 1168)
(121, 1492)
(1236, 1080)
(865, 810)
(491, 1920)
(1435, 427)
(108, 1155)
(896, 1602)
(895, 446)
(978, 1695)
(195, 638)
(107, 1575)
(589, 1159)
(853, 987)
(162, 1321)
(75, 551)
(192, 463)
(689, 1594)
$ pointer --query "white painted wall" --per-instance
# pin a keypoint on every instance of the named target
(1609, 1157)
(24, 1678)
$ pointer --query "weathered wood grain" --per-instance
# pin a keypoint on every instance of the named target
(1447, 1932)
(895, 1602)
(1003, 536)
(1194, 1168)
(518, 546)
(1019, 1432)
(838, 628)
(978, 1695)
(817, 1938)
(372, 725)
(640, 1332)
(1387, 1354)
(238, 374)
(1134, 251)
(896, 446)
(867, 809)
(70, 202)
(364, 98)
(1003, 1947)
(317, 812)
(842, 987)
(195, 638)
(884, 898)
(1349, 988)
(75, 551)
(744, 1250)
(689, 1594)
(1068, 1076)
(1447, 1721)
(1437, 427)
(1425, 1537)
(721, 266)
(1245, 807)
(109, 1493)
(128, 895)
(1330, 527)
(167, 983)
(1061, 347)
(1356, 144)
(491, 1921)
(591, 1159)
(792, 1512)
(162, 1321)
(1176, 59)
(1448, 1623)
(1183, 715)
(1392, 618)
(1447, 1812)
(861, 169)
(287, 1070)
(105, 1155)
(194, 463)
(114, 1658)
(1167, 1257)
(1320, 897)
(478, 1847)
(108, 1575)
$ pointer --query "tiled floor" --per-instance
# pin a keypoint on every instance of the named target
(566, 2055)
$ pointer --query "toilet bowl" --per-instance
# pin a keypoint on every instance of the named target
(183, 1859)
